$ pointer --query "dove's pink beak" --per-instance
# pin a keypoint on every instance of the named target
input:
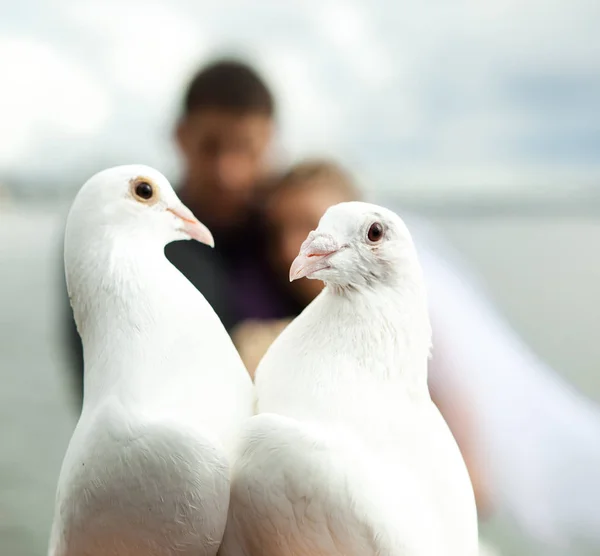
(192, 226)
(313, 256)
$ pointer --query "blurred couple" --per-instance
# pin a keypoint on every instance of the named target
(531, 444)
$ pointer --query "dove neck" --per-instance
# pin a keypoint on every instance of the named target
(387, 329)
(129, 303)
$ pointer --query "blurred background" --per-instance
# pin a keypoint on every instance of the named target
(482, 118)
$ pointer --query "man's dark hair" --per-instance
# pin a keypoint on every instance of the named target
(229, 85)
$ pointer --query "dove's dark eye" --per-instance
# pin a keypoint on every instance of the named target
(375, 232)
(144, 190)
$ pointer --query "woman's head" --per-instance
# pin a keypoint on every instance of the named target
(294, 208)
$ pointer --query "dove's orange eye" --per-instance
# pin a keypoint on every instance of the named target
(375, 232)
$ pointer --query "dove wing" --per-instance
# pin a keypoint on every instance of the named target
(293, 493)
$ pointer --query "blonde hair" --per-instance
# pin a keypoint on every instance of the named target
(325, 171)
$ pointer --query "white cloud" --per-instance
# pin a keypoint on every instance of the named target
(43, 89)
(145, 48)
(410, 89)
(348, 26)
(310, 117)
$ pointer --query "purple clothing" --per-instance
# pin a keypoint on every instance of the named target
(255, 296)
(248, 288)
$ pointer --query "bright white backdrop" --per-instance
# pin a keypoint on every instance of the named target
(432, 96)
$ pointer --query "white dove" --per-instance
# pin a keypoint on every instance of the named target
(147, 470)
(349, 455)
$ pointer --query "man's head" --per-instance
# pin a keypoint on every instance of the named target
(224, 135)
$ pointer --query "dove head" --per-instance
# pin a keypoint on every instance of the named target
(357, 245)
(117, 228)
(134, 202)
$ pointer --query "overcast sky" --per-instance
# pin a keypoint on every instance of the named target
(429, 93)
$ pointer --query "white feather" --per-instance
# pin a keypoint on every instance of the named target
(147, 470)
(349, 454)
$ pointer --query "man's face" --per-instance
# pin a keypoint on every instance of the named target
(224, 153)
